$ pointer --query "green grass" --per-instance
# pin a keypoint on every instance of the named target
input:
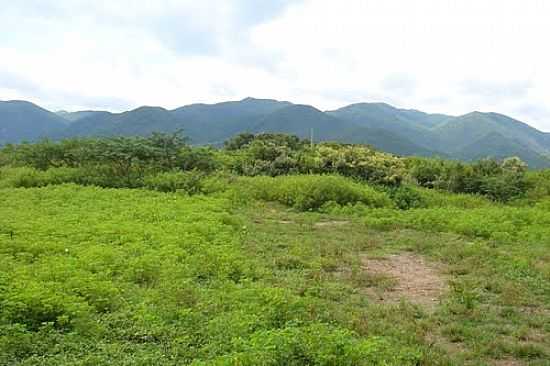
(497, 306)
(103, 276)
(265, 271)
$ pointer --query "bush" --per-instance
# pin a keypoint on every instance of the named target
(356, 161)
(189, 182)
(311, 192)
(499, 180)
(406, 197)
(538, 184)
(201, 158)
(26, 177)
(433, 198)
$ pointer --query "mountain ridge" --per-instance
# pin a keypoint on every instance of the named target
(400, 131)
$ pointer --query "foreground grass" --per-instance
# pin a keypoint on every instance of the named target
(496, 308)
(95, 276)
(100, 276)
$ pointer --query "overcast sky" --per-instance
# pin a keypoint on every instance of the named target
(434, 55)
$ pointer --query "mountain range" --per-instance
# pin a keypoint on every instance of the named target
(400, 131)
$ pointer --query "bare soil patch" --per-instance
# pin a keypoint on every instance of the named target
(330, 223)
(415, 279)
(507, 362)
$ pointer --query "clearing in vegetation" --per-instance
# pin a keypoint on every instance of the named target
(415, 280)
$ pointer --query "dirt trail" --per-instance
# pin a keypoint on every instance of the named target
(416, 280)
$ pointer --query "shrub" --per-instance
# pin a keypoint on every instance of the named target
(189, 182)
(499, 180)
(356, 161)
(311, 192)
(200, 158)
(406, 197)
(25, 177)
(538, 183)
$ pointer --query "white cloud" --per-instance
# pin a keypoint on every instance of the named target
(445, 56)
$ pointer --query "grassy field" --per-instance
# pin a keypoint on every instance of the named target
(265, 271)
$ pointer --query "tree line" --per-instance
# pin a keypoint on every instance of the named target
(133, 161)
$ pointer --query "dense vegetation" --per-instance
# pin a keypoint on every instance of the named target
(145, 250)
(165, 161)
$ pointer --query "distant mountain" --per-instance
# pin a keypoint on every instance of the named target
(409, 124)
(215, 123)
(456, 133)
(374, 114)
(299, 120)
(140, 121)
(75, 116)
(472, 136)
(385, 140)
(400, 131)
(24, 121)
(495, 145)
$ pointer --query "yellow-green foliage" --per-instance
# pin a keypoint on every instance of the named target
(539, 185)
(221, 276)
(114, 276)
(432, 198)
(357, 161)
(30, 177)
(189, 182)
(311, 192)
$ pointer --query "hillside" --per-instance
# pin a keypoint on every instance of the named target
(138, 122)
(215, 123)
(409, 124)
(460, 131)
(494, 145)
(385, 140)
(299, 120)
(71, 117)
(24, 121)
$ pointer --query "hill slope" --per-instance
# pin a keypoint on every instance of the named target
(410, 124)
(140, 122)
(214, 123)
(495, 145)
(458, 132)
(20, 120)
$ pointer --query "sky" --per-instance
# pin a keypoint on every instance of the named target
(441, 56)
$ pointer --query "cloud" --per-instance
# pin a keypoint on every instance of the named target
(496, 90)
(437, 55)
(401, 84)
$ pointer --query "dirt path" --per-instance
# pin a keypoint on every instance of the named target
(415, 280)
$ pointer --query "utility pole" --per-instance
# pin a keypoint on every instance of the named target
(311, 137)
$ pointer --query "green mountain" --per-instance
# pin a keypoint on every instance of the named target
(410, 124)
(399, 131)
(141, 121)
(495, 145)
(386, 141)
(71, 117)
(301, 120)
(215, 123)
(25, 121)
(472, 136)
(458, 132)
